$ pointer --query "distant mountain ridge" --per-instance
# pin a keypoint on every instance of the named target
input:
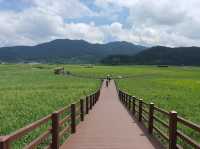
(113, 53)
(67, 51)
(159, 55)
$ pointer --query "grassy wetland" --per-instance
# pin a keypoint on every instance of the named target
(29, 92)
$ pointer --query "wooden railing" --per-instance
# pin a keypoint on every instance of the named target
(62, 121)
(163, 123)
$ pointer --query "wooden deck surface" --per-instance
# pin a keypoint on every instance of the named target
(110, 126)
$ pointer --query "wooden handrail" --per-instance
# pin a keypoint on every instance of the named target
(171, 127)
(161, 111)
(188, 139)
(38, 140)
(21, 132)
(188, 123)
(161, 133)
(161, 121)
(78, 107)
(145, 111)
(64, 131)
(65, 109)
(61, 122)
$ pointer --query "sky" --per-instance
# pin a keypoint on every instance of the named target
(145, 22)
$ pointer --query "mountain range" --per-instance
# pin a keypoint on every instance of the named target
(113, 53)
(67, 51)
(158, 55)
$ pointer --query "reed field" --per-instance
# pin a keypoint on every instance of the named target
(29, 92)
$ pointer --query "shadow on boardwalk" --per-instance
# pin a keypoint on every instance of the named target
(109, 126)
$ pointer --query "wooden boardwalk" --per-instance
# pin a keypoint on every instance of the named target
(110, 126)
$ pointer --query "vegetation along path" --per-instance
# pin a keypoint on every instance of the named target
(109, 126)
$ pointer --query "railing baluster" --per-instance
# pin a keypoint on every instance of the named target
(87, 104)
(55, 130)
(82, 109)
(73, 118)
(140, 110)
(151, 112)
(90, 102)
(129, 102)
(4, 142)
(126, 100)
(133, 105)
(172, 130)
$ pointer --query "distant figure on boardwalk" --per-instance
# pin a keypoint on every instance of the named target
(108, 78)
(106, 83)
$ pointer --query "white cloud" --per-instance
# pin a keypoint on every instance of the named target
(148, 22)
(64, 8)
(39, 23)
(163, 22)
(89, 32)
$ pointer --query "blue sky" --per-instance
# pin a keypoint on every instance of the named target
(145, 22)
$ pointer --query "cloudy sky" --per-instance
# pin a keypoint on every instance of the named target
(145, 22)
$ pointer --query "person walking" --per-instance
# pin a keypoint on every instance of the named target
(106, 83)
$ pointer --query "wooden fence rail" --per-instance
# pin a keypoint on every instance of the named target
(59, 127)
(146, 113)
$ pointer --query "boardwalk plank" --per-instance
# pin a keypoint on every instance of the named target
(109, 126)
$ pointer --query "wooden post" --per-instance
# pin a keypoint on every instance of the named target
(120, 97)
(172, 130)
(4, 142)
(95, 98)
(82, 109)
(129, 102)
(73, 118)
(55, 130)
(87, 105)
(90, 102)
(93, 103)
(151, 111)
(126, 100)
(123, 98)
(140, 110)
(133, 105)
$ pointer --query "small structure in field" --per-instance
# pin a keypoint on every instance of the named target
(163, 66)
(59, 71)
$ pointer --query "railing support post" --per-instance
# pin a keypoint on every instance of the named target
(133, 105)
(87, 105)
(120, 98)
(126, 101)
(90, 102)
(129, 102)
(151, 112)
(93, 99)
(73, 118)
(4, 142)
(82, 109)
(140, 110)
(123, 98)
(172, 130)
(55, 130)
